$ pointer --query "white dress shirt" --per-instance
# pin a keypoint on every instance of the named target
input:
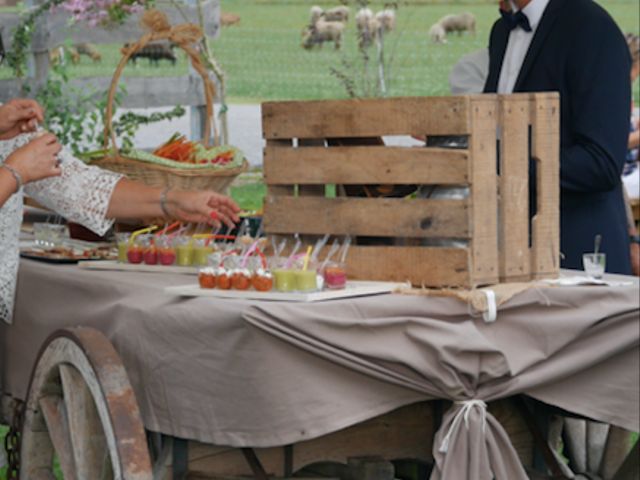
(518, 45)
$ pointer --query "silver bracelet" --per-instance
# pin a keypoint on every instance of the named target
(16, 176)
(163, 202)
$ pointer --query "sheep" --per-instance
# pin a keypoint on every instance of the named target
(154, 52)
(315, 14)
(367, 25)
(322, 31)
(437, 33)
(89, 50)
(228, 19)
(337, 14)
(459, 23)
(386, 20)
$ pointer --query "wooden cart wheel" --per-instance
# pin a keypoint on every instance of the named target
(81, 408)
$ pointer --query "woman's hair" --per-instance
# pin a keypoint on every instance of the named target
(633, 42)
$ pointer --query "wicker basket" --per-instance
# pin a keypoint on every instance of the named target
(217, 179)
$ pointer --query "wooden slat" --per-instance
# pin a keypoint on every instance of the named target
(366, 118)
(515, 264)
(87, 437)
(483, 195)
(428, 266)
(54, 413)
(545, 149)
(366, 165)
(277, 190)
(418, 218)
(141, 91)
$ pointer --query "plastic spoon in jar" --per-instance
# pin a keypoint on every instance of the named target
(335, 246)
(292, 257)
(319, 246)
(596, 242)
(345, 249)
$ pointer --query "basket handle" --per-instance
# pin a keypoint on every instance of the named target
(172, 35)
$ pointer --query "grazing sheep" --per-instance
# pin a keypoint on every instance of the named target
(315, 14)
(337, 14)
(367, 26)
(322, 31)
(154, 52)
(89, 50)
(227, 19)
(437, 33)
(386, 20)
(459, 23)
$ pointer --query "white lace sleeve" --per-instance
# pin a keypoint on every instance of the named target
(81, 194)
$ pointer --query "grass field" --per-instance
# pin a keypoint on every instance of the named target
(263, 58)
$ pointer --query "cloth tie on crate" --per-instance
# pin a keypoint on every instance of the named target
(481, 300)
(463, 413)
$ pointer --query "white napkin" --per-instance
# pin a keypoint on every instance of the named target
(584, 280)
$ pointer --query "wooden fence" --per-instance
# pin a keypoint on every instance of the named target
(53, 29)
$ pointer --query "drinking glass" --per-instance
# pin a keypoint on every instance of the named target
(594, 264)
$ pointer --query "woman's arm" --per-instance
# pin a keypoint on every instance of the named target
(135, 200)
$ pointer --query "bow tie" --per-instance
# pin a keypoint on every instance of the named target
(515, 20)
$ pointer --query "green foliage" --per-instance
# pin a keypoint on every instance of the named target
(17, 57)
(75, 117)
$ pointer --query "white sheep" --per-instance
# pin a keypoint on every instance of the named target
(337, 14)
(367, 26)
(386, 20)
(459, 23)
(437, 33)
(322, 31)
(315, 14)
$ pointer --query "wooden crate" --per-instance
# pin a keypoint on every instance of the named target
(502, 243)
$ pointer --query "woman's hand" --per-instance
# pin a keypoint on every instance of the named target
(37, 159)
(202, 207)
(19, 115)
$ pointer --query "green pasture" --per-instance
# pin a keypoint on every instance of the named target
(264, 60)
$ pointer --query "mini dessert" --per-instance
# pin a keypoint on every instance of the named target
(305, 280)
(285, 280)
(150, 255)
(135, 253)
(122, 241)
(223, 279)
(335, 276)
(241, 279)
(184, 252)
(207, 277)
(166, 250)
(201, 252)
(262, 280)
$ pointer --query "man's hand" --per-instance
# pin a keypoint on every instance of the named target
(19, 115)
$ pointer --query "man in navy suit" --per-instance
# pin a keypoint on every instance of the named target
(575, 48)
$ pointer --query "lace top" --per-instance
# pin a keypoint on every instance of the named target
(81, 194)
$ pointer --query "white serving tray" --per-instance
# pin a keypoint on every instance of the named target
(353, 289)
(132, 267)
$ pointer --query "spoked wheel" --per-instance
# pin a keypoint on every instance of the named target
(81, 408)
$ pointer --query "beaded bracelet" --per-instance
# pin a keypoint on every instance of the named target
(16, 176)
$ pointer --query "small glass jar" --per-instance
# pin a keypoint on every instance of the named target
(166, 250)
(135, 250)
(335, 275)
(184, 251)
(201, 251)
(150, 251)
(122, 242)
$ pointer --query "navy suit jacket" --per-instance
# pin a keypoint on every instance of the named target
(579, 51)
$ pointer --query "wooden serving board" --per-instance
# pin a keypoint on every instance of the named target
(353, 289)
(141, 267)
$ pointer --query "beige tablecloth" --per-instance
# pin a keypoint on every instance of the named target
(244, 373)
